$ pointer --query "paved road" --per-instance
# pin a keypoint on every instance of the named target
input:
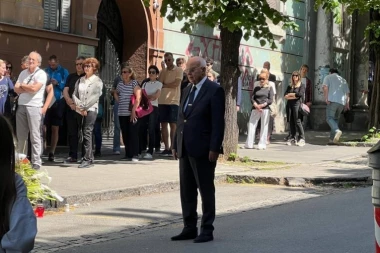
(340, 222)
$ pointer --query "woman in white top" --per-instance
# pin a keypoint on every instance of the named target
(88, 89)
(153, 90)
(18, 226)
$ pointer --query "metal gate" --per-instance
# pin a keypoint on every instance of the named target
(109, 54)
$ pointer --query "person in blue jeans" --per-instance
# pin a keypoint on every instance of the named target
(116, 123)
(337, 97)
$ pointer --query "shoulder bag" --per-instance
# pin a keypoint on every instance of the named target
(303, 109)
(145, 107)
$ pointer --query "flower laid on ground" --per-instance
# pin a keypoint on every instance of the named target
(36, 182)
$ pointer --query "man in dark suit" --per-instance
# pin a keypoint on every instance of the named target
(197, 144)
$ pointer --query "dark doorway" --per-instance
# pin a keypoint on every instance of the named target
(109, 53)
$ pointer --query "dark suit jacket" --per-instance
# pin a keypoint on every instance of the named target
(202, 130)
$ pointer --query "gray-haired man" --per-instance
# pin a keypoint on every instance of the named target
(30, 86)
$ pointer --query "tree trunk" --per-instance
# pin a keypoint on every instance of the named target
(229, 78)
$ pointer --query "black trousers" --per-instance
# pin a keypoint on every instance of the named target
(197, 173)
(73, 121)
(148, 127)
(86, 127)
(130, 132)
(295, 122)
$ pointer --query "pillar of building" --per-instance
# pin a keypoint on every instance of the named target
(323, 60)
(323, 52)
(361, 62)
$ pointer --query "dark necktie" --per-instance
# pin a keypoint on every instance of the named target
(191, 100)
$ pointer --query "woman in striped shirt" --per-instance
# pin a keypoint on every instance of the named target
(129, 122)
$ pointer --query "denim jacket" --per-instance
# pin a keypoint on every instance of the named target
(23, 225)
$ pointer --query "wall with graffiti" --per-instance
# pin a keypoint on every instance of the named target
(205, 41)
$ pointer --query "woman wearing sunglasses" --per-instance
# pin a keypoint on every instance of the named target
(129, 124)
(261, 99)
(88, 90)
(294, 93)
(153, 90)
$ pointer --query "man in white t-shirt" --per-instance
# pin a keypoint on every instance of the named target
(30, 86)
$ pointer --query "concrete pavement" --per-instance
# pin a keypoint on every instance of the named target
(111, 178)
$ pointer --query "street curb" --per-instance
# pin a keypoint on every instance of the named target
(298, 181)
(112, 194)
(83, 199)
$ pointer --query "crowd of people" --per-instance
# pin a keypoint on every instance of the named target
(44, 98)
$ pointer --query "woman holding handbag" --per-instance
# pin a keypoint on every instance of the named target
(261, 99)
(18, 226)
(129, 123)
(294, 94)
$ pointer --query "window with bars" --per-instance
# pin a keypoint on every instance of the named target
(57, 15)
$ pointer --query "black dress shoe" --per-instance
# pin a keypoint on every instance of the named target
(204, 238)
(188, 235)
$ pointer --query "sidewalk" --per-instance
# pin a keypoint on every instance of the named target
(111, 178)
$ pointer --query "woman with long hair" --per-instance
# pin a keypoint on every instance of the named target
(261, 99)
(129, 123)
(88, 90)
(294, 95)
(18, 226)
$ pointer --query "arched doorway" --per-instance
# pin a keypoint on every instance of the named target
(109, 53)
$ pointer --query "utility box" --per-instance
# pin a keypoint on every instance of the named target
(374, 163)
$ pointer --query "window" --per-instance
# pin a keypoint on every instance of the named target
(57, 15)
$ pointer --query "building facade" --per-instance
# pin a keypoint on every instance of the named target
(115, 31)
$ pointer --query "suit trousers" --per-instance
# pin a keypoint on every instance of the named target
(197, 172)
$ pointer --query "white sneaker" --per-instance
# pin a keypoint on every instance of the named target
(261, 148)
(301, 143)
(135, 159)
(338, 133)
(148, 156)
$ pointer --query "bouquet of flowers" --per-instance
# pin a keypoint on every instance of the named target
(36, 182)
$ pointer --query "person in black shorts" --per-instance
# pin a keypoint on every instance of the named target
(54, 116)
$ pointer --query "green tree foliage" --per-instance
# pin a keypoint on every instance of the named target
(236, 19)
(373, 32)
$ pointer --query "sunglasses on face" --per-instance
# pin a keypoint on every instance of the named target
(168, 60)
(295, 75)
(87, 66)
(124, 72)
(9, 67)
(261, 79)
(78, 64)
(152, 72)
